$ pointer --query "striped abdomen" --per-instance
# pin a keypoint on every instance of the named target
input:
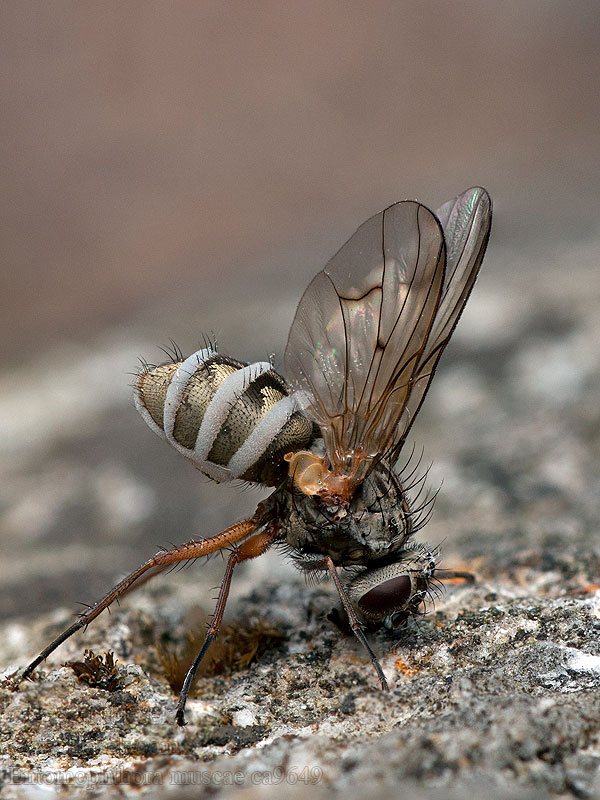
(231, 420)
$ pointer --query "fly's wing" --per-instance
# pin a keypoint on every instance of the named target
(360, 331)
(466, 221)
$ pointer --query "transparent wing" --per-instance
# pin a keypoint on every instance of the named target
(467, 222)
(360, 331)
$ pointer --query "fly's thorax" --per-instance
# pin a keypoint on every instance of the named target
(373, 525)
(230, 419)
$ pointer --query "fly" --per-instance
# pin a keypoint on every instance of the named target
(362, 350)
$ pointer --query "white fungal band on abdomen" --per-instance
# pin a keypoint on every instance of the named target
(177, 387)
(262, 436)
(226, 396)
(175, 391)
(229, 419)
(146, 415)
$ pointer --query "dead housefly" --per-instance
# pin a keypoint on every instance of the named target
(362, 350)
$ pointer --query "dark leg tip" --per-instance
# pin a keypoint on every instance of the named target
(27, 674)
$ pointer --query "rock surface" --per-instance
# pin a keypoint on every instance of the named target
(496, 688)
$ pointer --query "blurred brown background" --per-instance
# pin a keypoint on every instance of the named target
(174, 147)
(174, 169)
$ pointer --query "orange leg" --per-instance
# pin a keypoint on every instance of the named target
(183, 552)
(252, 548)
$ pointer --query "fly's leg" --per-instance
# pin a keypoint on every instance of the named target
(453, 574)
(190, 550)
(252, 548)
(355, 623)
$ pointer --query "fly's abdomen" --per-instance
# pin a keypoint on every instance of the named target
(230, 419)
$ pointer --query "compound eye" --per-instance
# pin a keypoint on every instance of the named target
(386, 598)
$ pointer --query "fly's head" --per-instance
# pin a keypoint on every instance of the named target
(392, 592)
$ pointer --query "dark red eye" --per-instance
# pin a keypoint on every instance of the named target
(387, 597)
